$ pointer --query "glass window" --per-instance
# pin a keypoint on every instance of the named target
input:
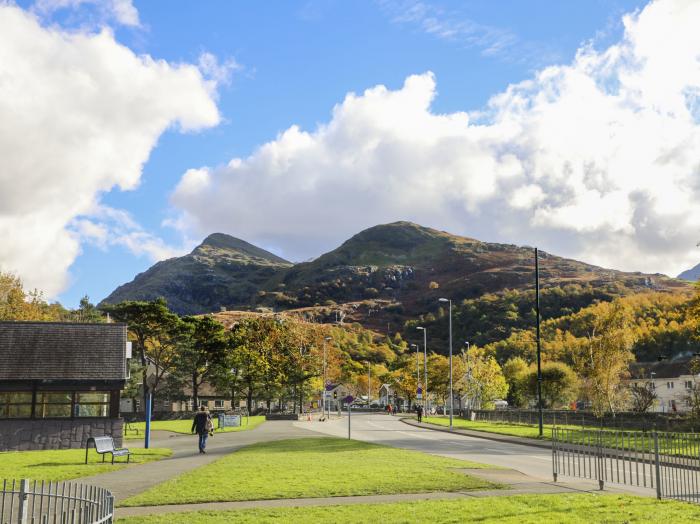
(92, 396)
(218, 403)
(16, 404)
(50, 404)
(91, 404)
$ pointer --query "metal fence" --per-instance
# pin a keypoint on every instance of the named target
(666, 462)
(586, 419)
(40, 502)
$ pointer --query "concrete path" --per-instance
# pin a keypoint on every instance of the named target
(126, 482)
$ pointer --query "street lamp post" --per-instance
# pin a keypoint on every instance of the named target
(426, 404)
(469, 374)
(417, 364)
(452, 398)
(369, 384)
(325, 379)
(539, 358)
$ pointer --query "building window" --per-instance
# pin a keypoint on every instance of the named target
(54, 404)
(688, 384)
(91, 404)
(16, 405)
(218, 403)
(204, 403)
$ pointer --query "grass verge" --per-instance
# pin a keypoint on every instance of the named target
(185, 426)
(312, 467)
(516, 430)
(520, 509)
(64, 464)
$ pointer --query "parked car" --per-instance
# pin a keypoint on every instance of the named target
(500, 404)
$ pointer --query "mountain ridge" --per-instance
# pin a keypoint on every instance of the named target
(401, 267)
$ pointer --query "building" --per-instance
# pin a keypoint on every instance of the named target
(671, 381)
(60, 383)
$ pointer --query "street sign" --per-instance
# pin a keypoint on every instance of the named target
(419, 393)
(329, 386)
(348, 399)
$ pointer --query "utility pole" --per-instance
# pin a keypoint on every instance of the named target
(452, 396)
(539, 356)
(426, 404)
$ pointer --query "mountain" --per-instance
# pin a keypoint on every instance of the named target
(383, 275)
(691, 274)
(223, 271)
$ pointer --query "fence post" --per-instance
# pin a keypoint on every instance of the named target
(23, 502)
(601, 462)
(555, 435)
(657, 465)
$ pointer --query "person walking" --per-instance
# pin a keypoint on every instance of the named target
(202, 425)
(419, 412)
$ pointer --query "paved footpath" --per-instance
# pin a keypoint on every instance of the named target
(126, 482)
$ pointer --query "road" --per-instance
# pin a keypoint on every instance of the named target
(534, 462)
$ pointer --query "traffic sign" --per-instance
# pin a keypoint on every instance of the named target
(419, 393)
(348, 399)
(329, 386)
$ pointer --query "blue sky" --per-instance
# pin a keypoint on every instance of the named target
(294, 61)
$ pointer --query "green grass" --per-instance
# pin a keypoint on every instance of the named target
(673, 444)
(64, 464)
(312, 467)
(520, 509)
(185, 426)
(516, 430)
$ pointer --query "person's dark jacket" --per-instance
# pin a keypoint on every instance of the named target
(199, 424)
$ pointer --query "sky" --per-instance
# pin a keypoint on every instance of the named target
(130, 130)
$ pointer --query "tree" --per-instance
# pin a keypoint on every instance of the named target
(642, 397)
(16, 304)
(483, 381)
(156, 334)
(201, 352)
(605, 360)
(559, 384)
(515, 371)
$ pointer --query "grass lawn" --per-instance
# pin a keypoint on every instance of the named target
(517, 430)
(312, 467)
(184, 426)
(674, 445)
(520, 509)
(64, 464)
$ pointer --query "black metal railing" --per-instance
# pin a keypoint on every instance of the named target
(666, 462)
(39, 502)
(587, 419)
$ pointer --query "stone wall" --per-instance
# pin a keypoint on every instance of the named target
(23, 434)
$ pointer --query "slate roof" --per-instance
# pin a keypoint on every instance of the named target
(663, 369)
(62, 350)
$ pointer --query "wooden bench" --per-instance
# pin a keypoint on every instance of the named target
(104, 445)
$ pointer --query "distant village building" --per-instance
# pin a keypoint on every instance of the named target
(671, 381)
(60, 383)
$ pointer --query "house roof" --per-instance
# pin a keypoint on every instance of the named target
(62, 351)
(663, 369)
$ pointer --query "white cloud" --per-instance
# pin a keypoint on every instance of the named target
(122, 11)
(596, 160)
(79, 115)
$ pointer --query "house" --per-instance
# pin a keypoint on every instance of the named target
(60, 383)
(209, 397)
(336, 395)
(670, 380)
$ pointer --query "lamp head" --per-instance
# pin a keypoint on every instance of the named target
(443, 300)
(420, 328)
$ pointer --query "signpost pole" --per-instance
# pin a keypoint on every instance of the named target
(349, 411)
(147, 433)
